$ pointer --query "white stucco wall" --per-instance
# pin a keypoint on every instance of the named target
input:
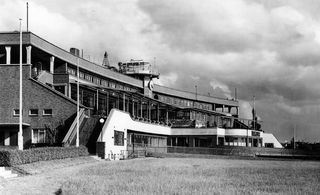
(270, 138)
(121, 121)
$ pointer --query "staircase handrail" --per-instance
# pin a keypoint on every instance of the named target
(72, 130)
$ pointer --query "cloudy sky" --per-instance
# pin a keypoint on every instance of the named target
(267, 49)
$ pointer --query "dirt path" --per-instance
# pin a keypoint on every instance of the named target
(47, 182)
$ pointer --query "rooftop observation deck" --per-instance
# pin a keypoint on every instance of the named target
(139, 67)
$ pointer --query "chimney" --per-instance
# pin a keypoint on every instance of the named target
(75, 51)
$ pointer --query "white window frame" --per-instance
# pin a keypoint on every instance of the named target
(15, 112)
(45, 114)
(30, 114)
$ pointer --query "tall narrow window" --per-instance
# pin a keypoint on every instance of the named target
(38, 136)
(118, 138)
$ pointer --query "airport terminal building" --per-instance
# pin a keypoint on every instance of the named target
(120, 107)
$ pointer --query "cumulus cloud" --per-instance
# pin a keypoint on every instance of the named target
(216, 85)
(288, 108)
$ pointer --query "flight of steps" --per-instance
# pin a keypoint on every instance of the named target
(4, 173)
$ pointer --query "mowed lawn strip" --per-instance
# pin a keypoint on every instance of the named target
(197, 176)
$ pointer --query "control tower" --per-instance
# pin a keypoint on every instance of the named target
(141, 70)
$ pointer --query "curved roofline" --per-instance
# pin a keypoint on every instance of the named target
(192, 96)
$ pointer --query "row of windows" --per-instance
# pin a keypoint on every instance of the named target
(184, 103)
(99, 81)
(34, 112)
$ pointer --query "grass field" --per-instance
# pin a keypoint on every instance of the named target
(197, 176)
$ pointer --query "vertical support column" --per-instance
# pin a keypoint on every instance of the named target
(214, 107)
(158, 113)
(107, 111)
(8, 54)
(149, 111)
(28, 48)
(141, 109)
(128, 105)
(124, 102)
(69, 90)
(222, 108)
(118, 101)
(51, 64)
(97, 106)
(167, 116)
(132, 107)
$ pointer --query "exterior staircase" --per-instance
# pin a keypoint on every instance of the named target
(4, 173)
(70, 137)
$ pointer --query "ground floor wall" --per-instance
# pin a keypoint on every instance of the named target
(9, 136)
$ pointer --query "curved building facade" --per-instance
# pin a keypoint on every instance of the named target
(135, 111)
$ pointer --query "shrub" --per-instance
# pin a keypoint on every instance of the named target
(17, 157)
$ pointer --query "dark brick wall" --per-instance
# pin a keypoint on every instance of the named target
(35, 96)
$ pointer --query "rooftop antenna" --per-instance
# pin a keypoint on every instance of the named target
(196, 91)
(27, 17)
(294, 135)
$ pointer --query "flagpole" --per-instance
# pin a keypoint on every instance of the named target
(77, 139)
(20, 138)
(27, 17)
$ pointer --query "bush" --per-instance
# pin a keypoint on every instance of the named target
(17, 157)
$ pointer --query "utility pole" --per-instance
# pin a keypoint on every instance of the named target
(254, 113)
(294, 139)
